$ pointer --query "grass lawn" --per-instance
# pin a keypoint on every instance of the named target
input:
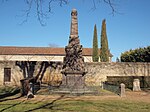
(73, 104)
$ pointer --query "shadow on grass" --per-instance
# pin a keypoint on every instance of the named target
(10, 94)
(11, 106)
(51, 104)
(2, 100)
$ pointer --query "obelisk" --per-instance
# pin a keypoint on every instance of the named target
(73, 65)
(74, 61)
(74, 24)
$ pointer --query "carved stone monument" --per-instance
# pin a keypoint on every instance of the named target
(73, 67)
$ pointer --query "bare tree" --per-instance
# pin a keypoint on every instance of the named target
(42, 12)
(53, 45)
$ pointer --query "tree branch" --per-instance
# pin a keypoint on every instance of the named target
(109, 2)
(42, 14)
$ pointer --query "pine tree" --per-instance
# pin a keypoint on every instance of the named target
(104, 51)
(95, 55)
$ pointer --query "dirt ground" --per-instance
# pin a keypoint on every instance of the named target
(130, 96)
(138, 96)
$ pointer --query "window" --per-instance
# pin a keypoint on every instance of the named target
(7, 74)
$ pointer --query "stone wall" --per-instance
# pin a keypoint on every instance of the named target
(97, 72)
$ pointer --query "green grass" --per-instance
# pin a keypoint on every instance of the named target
(63, 104)
(5, 89)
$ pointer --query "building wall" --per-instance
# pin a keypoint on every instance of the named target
(16, 73)
(30, 58)
(96, 72)
(37, 58)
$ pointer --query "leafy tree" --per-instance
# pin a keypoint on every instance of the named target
(95, 55)
(137, 55)
(104, 51)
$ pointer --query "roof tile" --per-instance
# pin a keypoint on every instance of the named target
(10, 50)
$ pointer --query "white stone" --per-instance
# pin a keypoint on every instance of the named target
(136, 85)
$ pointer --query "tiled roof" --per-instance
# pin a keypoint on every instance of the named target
(9, 50)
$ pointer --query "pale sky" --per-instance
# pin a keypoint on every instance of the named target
(125, 31)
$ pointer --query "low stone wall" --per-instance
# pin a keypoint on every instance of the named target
(96, 72)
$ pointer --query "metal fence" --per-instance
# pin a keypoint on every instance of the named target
(110, 87)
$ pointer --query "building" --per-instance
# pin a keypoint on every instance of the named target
(11, 73)
(8, 53)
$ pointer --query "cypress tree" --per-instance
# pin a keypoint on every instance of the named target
(95, 54)
(104, 51)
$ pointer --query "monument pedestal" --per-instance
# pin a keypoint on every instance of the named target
(73, 83)
(73, 80)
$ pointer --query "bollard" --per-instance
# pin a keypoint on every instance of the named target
(122, 90)
(136, 85)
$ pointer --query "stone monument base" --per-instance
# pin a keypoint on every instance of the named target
(73, 80)
(73, 83)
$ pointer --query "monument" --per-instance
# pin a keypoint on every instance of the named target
(73, 66)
